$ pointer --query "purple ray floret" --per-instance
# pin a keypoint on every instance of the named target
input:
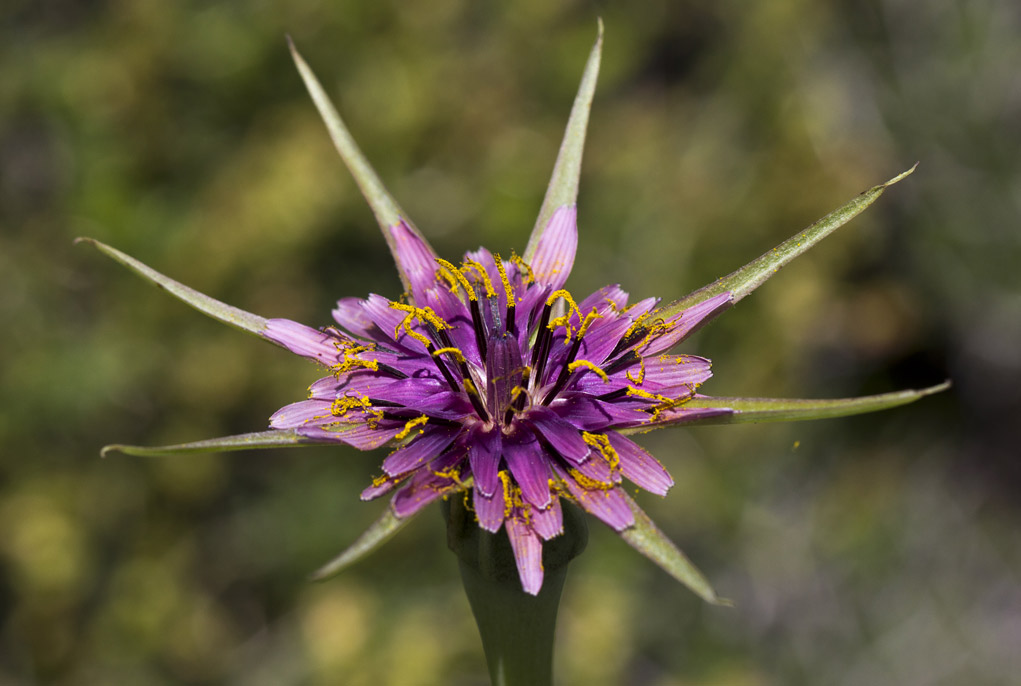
(499, 378)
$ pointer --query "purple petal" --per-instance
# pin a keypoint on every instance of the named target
(301, 413)
(426, 486)
(489, 509)
(589, 414)
(639, 466)
(529, 466)
(672, 374)
(687, 322)
(554, 254)
(426, 395)
(560, 434)
(548, 523)
(609, 505)
(484, 448)
(357, 384)
(374, 491)
(350, 315)
(427, 446)
(303, 340)
(360, 435)
(603, 298)
(415, 259)
(527, 554)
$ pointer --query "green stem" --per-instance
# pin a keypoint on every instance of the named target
(516, 628)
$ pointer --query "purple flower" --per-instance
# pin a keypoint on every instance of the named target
(499, 378)
(490, 378)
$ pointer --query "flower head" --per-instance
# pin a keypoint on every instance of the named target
(489, 378)
(498, 378)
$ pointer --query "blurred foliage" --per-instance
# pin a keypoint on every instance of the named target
(880, 549)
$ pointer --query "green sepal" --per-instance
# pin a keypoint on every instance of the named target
(264, 439)
(239, 319)
(376, 535)
(563, 185)
(645, 537)
(749, 277)
(749, 410)
(388, 212)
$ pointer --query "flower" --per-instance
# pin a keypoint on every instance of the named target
(496, 377)
(489, 378)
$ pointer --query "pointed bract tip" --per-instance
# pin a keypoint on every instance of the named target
(599, 23)
(901, 176)
(938, 388)
(107, 449)
(84, 239)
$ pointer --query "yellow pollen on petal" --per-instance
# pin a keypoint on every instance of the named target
(588, 483)
(453, 352)
(565, 319)
(472, 264)
(503, 279)
(529, 275)
(422, 314)
(455, 277)
(411, 424)
(589, 318)
(578, 364)
(631, 390)
(641, 374)
(507, 485)
(601, 443)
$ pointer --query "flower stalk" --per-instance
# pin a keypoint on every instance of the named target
(516, 628)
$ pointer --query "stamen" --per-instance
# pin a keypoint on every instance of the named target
(528, 276)
(589, 318)
(452, 351)
(455, 273)
(601, 443)
(625, 360)
(480, 332)
(565, 372)
(508, 290)
(475, 398)
(631, 390)
(641, 374)
(483, 274)
(541, 334)
(577, 364)
(411, 424)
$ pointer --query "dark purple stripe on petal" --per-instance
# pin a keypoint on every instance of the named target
(484, 452)
(527, 554)
(424, 448)
(489, 509)
(529, 466)
(609, 505)
(554, 254)
(639, 466)
(548, 523)
(560, 434)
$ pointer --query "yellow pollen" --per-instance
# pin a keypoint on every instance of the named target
(503, 278)
(453, 352)
(528, 274)
(472, 264)
(422, 314)
(565, 319)
(631, 390)
(411, 424)
(455, 277)
(578, 364)
(589, 318)
(588, 483)
(601, 443)
(641, 374)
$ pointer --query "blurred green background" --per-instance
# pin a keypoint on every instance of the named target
(875, 550)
